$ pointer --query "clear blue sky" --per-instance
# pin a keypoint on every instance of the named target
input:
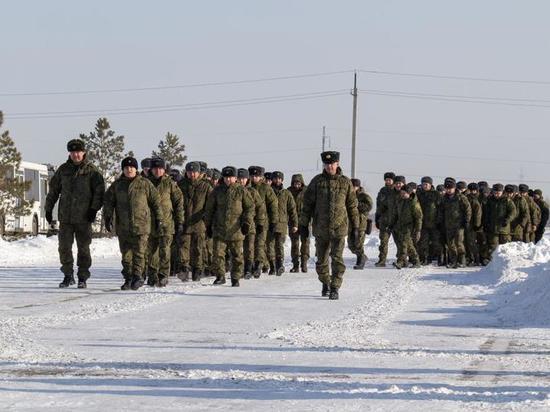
(68, 45)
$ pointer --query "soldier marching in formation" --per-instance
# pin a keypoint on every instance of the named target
(206, 222)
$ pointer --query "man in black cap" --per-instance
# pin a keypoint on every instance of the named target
(299, 250)
(383, 216)
(135, 203)
(544, 212)
(474, 231)
(364, 206)
(272, 209)
(228, 217)
(522, 217)
(429, 199)
(79, 186)
(407, 227)
(534, 214)
(146, 166)
(500, 212)
(267, 178)
(331, 203)
(195, 193)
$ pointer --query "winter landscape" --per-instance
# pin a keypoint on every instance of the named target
(415, 339)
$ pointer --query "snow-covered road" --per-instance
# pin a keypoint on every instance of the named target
(425, 339)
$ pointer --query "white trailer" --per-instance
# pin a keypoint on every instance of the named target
(35, 222)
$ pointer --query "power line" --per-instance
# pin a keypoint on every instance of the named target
(450, 77)
(171, 87)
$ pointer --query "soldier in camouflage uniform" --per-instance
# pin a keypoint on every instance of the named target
(472, 230)
(134, 202)
(407, 227)
(159, 246)
(267, 178)
(500, 212)
(260, 222)
(534, 215)
(272, 209)
(288, 221)
(228, 217)
(195, 192)
(146, 167)
(331, 203)
(522, 218)
(79, 186)
(384, 213)
(299, 250)
(456, 215)
(429, 244)
(364, 206)
(543, 207)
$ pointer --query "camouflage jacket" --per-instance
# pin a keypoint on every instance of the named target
(534, 214)
(260, 214)
(429, 202)
(287, 210)
(227, 209)
(456, 212)
(364, 206)
(298, 195)
(408, 215)
(195, 193)
(270, 200)
(331, 202)
(476, 223)
(135, 203)
(385, 205)
(171, 202)
(522, 217)
(543, 207)
(78, 188)
(499, 214)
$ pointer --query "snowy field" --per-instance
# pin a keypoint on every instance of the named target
(422, 339)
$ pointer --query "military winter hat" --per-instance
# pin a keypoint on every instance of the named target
(216, 174)
(255, 171)
(129, 161)
(483, 183)
(297, 178)
(450, 179)
(497, 187)
(330, 157)
(204, 167)
(267, 175)
(209, 173)
(440, 188)
(356, 182)
(193, 167)
(413, 185)
(229, 171)
(523, 188)
(158, 162)
(389, 175)
(509, 188)
(400, 179)
(277, 174)
(76, 145)
(450, 183)
(243, 173)
(473, 186)
(146, 163)
(461, 185)
(537, 192)
(408, 188)
(427, 179)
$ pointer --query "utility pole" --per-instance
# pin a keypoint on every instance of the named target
(325, 143)
(324, 138)
(354, 124)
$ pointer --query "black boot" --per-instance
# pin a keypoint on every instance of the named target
(381, 263)
(220, 280)
(82, 284)
(280, 268)
(304, 265)
(257, 270)
(67, 281)
(196, 274)
(152, 280)
(333, 294)
(361, 260)
(162, 282)
(295, 267)
(265, 269)
(235, 283)
(271, 268)
(137, 282)
(184, 274)
(325, 291)
(126, 285)
(248, 270)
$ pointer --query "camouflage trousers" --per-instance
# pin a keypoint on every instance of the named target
(495, 239)
(159, 253)
(260, 254)
(455, 245)
(235, 250)
(528, 235)
(472, 249)
(133, 249)
(83, 234)
(539, 233)
(192, 250)
(482, 245)
(299, 249)
(333, 248)
(405, 247)
(517, 235)
(208, 252)
(357, 246)
(429, 244)
(248, 248)
(384, 240)
(276, 247)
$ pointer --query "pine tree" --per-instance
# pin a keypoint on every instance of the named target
(12, 189)
(105, 149)
(171, 150)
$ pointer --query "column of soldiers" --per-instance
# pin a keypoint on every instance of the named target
(456, 224)
(205, 222)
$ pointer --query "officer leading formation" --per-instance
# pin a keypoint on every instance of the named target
(210, 223)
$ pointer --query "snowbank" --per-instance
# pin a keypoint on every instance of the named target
(522, 288)
(43, 250)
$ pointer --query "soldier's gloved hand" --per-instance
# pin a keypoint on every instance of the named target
(91, 215)
(259, 229)
(245, 228)
(293, 229)
(209, 231)
(304, 231)
(49, 217)
(271, 228)
(109, 224)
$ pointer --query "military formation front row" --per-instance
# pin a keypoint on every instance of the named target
(208, 222)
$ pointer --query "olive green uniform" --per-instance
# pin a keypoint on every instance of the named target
(534, 220)
(259, 226)
(456, 215)
(364, 206)
(299, 245)
(471, 231)
(543, 206)
(270, 200)
(430, 237)
(407, 227)
(385, 204)
(520, 222)
(500, 213)
(287, 218)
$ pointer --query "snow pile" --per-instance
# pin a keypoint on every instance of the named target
(522, 289)
(41, 250)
